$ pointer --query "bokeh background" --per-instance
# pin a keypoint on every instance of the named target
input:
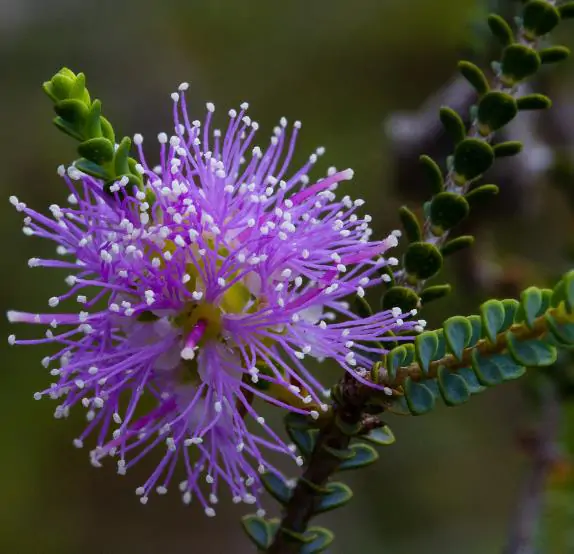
(450, 484)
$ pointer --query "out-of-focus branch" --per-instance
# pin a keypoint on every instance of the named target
(543, 451)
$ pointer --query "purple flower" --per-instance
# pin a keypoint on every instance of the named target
(202, 293)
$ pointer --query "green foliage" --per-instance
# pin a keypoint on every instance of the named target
(453, 124)
(300, 432)
(382, 436)
(539, 18)
(472, 158)
(447, 210)
(422, 260)
(534, 102)
(474, 75)
(508, 148)
(419, 397)
(500, 29)
(410, 224)
(435, 292)
(493, 316)
(362, 307)
(258, 530)
(553, 54)
(479, 194)
(518, 63)
(362, 455)
(433, 173)
(457, 244)
(276, 487)
(470, 353)
(336, 495)
(317, 539)
(566, 10)
(457, 332)
(80, 117)
(495, 110)
(453, 388)
(400, 297)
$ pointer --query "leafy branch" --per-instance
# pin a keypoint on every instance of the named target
(499, 102)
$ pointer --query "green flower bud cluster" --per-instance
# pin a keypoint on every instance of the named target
(81, 118)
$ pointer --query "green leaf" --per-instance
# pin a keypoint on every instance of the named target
(554, 54)
(566, 10)
(441, 348)
(474, 387)
(510, 308)
(472, 157)
(453, 388)
(318, 540)
(493, 316)
(531, 353)
(433, 173)
(400, 297)
(121, 157)
(107, 129)
(564, 292)
(476, 324)
(500, 29)
(69, 128)
(419, 397)
(97, 150)
(457, 332)
(474, 75)
(508, 368)
(362, 307)
(61, 85)
(533, 102)
(454, 245)
(518, 63)
(507, 148)
(479, 194)
(495, 110)
(347, 428)
(73, 111)
(411, 224)
(383, 436)
(363, 455)
(452, 124)
(340, 454)
(426, 345)
(530, 306)
(539, 18)
(486, 371)
(258, 531)
(434, 293)
(338, 494)
(92, 169)
(92, 125)
(564, 333)
(395, 359)
(422, 260)
(78, 89)
(276, 487)
(448, 209)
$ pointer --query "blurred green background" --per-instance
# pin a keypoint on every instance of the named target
(450, 483)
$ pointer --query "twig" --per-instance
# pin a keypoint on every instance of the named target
(524, 526)
(322, 464)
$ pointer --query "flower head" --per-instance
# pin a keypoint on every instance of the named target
(204, 290)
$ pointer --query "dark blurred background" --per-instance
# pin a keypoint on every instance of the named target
(451, 481)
